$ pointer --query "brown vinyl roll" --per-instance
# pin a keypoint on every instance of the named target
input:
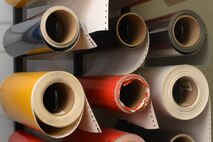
(49, 102)
(128, 30)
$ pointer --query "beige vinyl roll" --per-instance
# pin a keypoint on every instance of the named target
(50, 102)
(180, 92)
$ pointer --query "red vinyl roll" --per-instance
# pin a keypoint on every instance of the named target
(20, 136)
(107, 135)
(127, 93)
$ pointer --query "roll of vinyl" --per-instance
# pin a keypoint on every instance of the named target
(128, 30)
(181, 35)
(49, 102)
(179, 92)
(115, 61)
(57, 30)
(20, 136)
(108, 134)
(156, 135)
(126, 93)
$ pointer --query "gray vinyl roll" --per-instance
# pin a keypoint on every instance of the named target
(179, 92)
(180, 36)
(57, 29)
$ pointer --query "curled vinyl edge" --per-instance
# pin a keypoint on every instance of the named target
(88, 122)
(145, 118)
(117, 61)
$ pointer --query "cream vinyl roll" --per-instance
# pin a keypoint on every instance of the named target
(50, 102)
(181, 92)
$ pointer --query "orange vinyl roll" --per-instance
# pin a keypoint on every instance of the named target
(49, 102)
(20, 136)
(18, 3)
(107, 135)
(127, 93)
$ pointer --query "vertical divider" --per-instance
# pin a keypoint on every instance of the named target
(18, 62)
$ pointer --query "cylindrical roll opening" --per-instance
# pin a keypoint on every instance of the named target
(186, 31)
(131, 30)
(60, 27)
(185, 92)
(58, 99)
(132, 95)
(182, 138)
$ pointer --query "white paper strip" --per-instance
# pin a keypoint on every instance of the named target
(93, 14)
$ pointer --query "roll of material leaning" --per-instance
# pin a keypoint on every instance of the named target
(50, 102)
(20, 136)
(57, 29)
(156, 135)
(180, 92)
(108, 134)
(182, 35)
(126, 93)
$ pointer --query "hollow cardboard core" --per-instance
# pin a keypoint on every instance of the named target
(57, 99)
(60, 27)
(182, 138)
(132, 94)
(185, 92)
(59, 132)
(187, 31)
(131, 30)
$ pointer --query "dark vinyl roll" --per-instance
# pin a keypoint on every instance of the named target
(178, 38)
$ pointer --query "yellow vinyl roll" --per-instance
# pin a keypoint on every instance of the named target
(50, 102)
(17, 3)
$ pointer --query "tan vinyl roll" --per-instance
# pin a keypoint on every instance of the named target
(50, 102)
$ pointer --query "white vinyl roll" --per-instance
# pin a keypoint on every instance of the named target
(180, 92)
